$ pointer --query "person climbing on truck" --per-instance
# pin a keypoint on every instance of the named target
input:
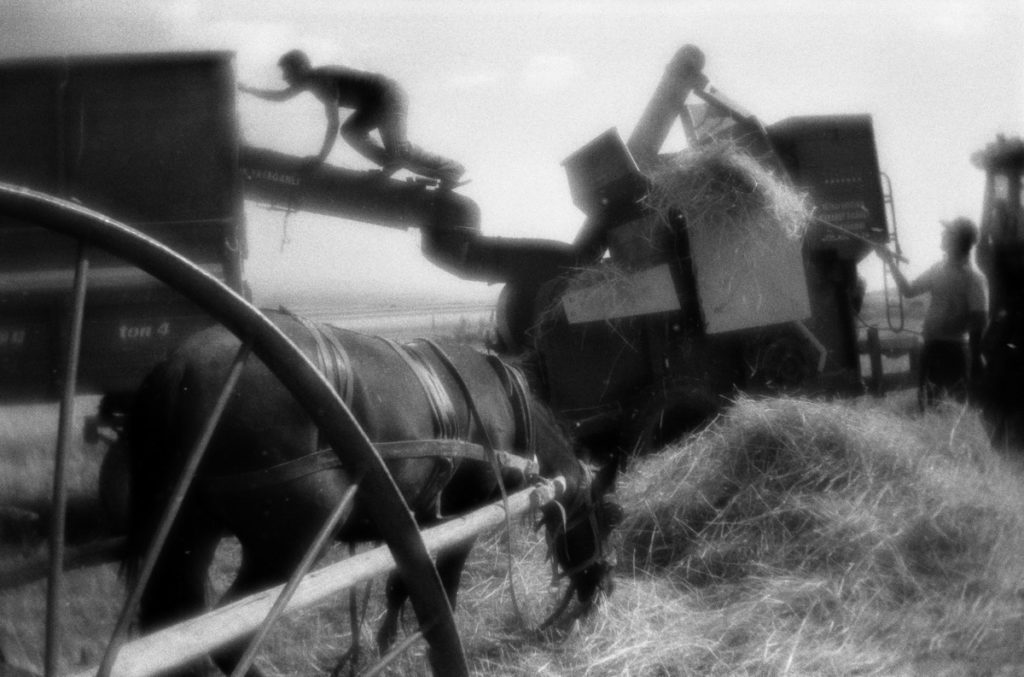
(377, 102)
(957, 311)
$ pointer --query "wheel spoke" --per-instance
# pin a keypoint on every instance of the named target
(58, 510)
(171, 512)
(326, 533)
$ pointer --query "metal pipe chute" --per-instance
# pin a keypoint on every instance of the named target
(289, 182)
(683, 75)
(449, 222)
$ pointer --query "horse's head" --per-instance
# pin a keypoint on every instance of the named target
(578, 526)
(579, 517)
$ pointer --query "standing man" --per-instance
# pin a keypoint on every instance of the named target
(956, 317)
(377, 102)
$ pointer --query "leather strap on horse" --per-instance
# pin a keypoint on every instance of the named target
(445, 418)
(405, 449)
(518, 392)
(328, 460)
(492, 457)
(275, 474)
(331, 357)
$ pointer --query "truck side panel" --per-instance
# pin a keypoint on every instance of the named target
(150, 140)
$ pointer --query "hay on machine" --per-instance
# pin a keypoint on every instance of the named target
(739, 225)
(723, 187)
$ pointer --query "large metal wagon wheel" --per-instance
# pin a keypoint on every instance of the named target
(263, 339)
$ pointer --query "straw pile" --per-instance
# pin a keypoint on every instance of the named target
(796, 537)
(790, 486)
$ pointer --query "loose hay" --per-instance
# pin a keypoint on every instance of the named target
(825, 539)
(795, 486)
(726, 196)
(607, 280)
(723, 187)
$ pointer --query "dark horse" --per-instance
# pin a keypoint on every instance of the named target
(266, 480)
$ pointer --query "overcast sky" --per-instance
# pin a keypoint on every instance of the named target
(510, 89)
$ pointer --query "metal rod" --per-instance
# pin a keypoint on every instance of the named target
(857, 236)
(890, 205)
(312, 553)
(183, 642)
(177, 498)
(60, 496)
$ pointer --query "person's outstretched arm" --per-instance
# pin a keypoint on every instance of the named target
(331, 135)
(270, 94)
(907, 288)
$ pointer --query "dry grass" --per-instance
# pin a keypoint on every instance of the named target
(731, 203)
(792, 537)
(722, 186)
(817, 538)
(90, 610)
(28, 439)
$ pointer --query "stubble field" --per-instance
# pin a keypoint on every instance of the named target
(790, 537)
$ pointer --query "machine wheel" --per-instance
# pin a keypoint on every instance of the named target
(294, 371)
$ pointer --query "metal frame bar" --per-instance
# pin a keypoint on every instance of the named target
(177, 645)
(887, 281)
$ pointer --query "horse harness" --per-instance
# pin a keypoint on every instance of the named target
(449, 444)
(581, 510)
(331, 358)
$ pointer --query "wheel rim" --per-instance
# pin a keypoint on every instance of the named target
(293, 370)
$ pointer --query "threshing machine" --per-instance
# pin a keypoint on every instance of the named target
(709, 317)
(699, 326)
(152, 140)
